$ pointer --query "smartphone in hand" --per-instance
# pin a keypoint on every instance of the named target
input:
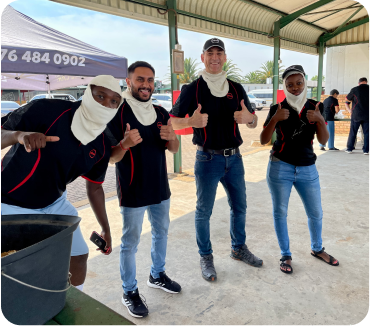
(98, 240)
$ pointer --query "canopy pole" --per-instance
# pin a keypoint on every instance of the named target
(20, 96)
(319, 79)
(171, 4)
(275, 79)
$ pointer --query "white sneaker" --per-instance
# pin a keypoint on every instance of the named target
(366, 153)
(348, 151)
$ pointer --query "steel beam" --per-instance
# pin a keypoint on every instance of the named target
(319, 75)
(171, 4)
(336, 11)
(288, 19)
(326, 37)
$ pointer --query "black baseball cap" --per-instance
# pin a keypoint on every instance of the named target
(213, 42)
(293, 68)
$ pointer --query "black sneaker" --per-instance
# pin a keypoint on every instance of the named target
(246, 256)
(322, 148)
(135, 305)
(163, 282)
(333, 149)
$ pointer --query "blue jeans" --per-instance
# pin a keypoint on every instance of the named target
(353, 134)
(229, 170)
(281, 177)
(132, 225)
(331, 128)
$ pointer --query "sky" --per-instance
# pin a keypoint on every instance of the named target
(137, 40)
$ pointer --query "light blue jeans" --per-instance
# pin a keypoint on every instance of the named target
(281, 177)
(331, 128)
(159, 218)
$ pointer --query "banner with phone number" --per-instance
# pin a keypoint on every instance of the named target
(39, 61)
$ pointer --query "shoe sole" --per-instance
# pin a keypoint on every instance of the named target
(233, 257)
(154, 286)
(130, 312)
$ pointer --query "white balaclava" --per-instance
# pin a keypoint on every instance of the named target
(296, 102)
(91, 118)
(217, 83)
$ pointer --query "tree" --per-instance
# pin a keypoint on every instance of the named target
(267, 71)
(315, 78)
(190, 71)
(232, 70)
(252, 77)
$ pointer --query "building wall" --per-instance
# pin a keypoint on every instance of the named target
(345, 65)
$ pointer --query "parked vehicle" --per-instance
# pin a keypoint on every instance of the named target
(155, 101)
(259, 104)
(262, 94)
(67, 97)
(165, 100)
(8, 106)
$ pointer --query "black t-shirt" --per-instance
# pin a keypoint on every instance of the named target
(142, 173)
(329, 108)
(38, 178)
(360, 102)
(222, 131)
(295, 135)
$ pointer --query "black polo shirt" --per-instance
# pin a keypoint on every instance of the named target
(39, 178)
(359, 96)
(142, 173)
(295, 135)
(329, 108)
(222, 131)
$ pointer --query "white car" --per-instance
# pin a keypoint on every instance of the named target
(67, 97)
(165, 100)
(259, 104)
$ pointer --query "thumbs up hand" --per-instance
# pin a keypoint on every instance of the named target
(131, 137)
(243, 116)
(167, 132)
(198, 119)
(314, 115)
(281, 114)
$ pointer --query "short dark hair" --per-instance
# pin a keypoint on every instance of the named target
(138, 64)
(363, 79)
(334, 91)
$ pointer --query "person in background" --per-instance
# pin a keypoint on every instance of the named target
(143, 132)
(359, 96)
(54, 142)
(331, 107)
(216, 106)
(292, 162)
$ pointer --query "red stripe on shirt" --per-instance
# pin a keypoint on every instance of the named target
(56, 120)
(30, 174)
(98, 182)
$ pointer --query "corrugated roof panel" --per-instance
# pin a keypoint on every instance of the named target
(354, 35)
(241, 13)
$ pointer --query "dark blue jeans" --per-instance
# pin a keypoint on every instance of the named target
(353, 133)
(209, 170)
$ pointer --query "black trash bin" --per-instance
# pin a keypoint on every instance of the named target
(43, 244)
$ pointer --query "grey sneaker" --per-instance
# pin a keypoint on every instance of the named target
(246, 256)
(208, 268)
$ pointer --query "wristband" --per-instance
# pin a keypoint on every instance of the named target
(254, 118)
(124, 149)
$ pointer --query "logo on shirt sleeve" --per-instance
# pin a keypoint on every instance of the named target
(92, 153)
(229, 96)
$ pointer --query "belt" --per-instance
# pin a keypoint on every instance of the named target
(224, 152)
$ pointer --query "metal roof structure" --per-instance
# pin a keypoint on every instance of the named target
(252, 20)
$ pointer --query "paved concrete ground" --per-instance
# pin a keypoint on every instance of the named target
(316, 293)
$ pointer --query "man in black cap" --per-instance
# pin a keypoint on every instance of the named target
(216, 105)
(359, 96)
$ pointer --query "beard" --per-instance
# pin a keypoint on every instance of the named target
(135, 92)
